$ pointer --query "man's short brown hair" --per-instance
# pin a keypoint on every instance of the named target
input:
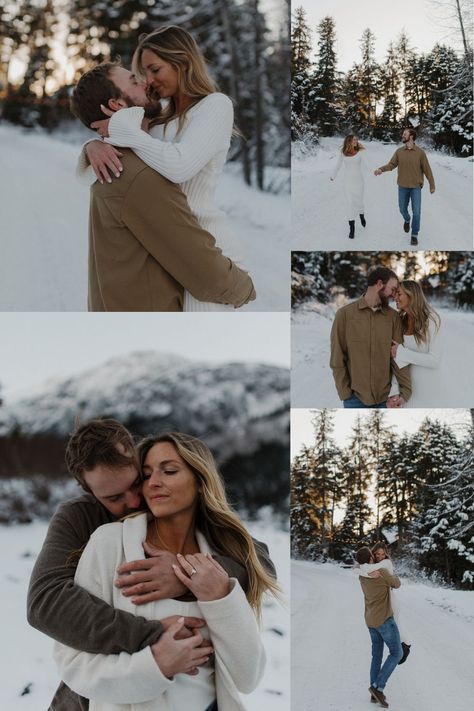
(364, 555)
(94, 88)
(380, 273)
(411, 131)
(95, 443)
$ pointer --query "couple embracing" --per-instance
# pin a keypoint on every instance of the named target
(157, 242)
(149, 583)
(382, 616)
(412, 167)
(379, 355)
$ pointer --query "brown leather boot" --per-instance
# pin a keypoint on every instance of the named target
(379, 696)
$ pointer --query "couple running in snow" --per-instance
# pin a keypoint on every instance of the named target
(412, 166)
(382, 616)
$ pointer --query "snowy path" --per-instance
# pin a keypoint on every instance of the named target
(331, 645)
(27, 661)
(312, 383)
(318, 208)
(44, 229)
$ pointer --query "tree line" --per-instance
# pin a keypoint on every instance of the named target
(431, 91)
(417, 488)
(324, 276)
(250, 63)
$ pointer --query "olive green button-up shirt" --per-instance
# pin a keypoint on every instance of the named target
(360, 353)
(412, 165)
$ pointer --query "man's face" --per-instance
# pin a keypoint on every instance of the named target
(406, 136)
(133, 91)
(388, 291)
(119, 489)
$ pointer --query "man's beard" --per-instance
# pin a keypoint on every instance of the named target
(152, 107)
(384, 300)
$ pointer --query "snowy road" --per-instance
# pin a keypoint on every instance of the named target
(312, 383)
(27, 665)
(318, 208)
(331, 645)
(44, 229)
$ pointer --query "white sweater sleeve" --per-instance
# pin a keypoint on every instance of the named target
(236, 638)
(430, 359)
(338, 166)
(367, 568)
(117, 678)
(207, 130)
(84, 171)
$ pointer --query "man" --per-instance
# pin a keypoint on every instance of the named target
(145, 245)
(361, 338)
(101, 456)
(382, 626)
(412, 164)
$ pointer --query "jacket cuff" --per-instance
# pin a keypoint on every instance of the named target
(225, 606)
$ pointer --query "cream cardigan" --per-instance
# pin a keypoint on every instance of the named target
(125, 682)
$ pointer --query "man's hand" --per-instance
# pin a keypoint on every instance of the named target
(393, 349)
(203, 575)
(377, 172)
(432, 190)
(155, 579)
(104, 158)
(180, 656)
(395, 401)
(375, 574)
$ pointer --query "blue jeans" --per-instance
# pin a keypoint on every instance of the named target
(404, 197)
(353, 401)
(388, 634)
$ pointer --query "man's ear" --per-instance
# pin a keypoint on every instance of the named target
(116, 104)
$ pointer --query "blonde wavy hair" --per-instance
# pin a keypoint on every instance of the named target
(220, 525)
(347, 147)
(178, 47)
(420, 310)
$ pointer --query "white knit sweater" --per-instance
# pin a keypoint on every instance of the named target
(124, 682)
(194, 158)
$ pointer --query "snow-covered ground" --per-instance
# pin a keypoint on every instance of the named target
(44, 229)
(28, 676)
(331, 644)
(318, 209)
(312, 383)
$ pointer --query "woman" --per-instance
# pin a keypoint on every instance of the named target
(351, 157)
(189, 516)
(421, 344)
(382, 560)
(188, 142)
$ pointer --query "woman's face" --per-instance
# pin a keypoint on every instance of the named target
(379, 555)
(402, 300)
(355, 142)
(160, 75)
(169, 486)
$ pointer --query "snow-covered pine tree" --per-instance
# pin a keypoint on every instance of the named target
(461, 279)
(322, 97)
(390, 80)
(301, 64)
(303, 519)
(310, 277)
(370, 83)
(380, 443)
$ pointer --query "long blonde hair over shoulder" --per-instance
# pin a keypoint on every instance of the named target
(420, 310)
(178, 47)
(215, 519)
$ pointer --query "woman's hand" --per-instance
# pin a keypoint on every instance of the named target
(203, 575)
(102, 126)
(104, 158)
(393, 349)
(180, 656)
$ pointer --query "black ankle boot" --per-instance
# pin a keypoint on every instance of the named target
(362, 220)
(351, 229)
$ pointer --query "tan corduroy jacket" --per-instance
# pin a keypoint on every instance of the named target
(412, 166)
(378, 607)
(146, 247)
(360, 353)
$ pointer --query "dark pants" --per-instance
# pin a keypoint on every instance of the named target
(212, 707)
(353, 401)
